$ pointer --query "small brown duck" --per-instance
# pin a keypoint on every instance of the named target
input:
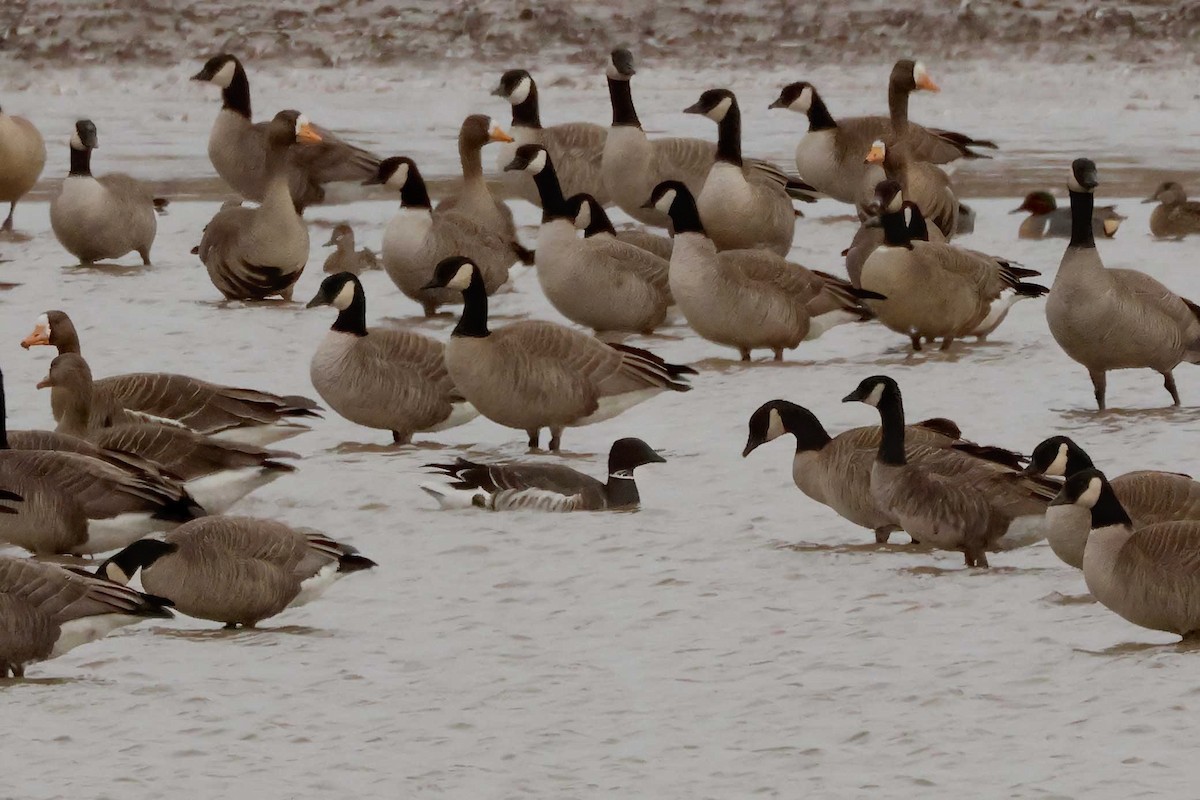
(1176, 216)
(1047, 221)
(345, 258)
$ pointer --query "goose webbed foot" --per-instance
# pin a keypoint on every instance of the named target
(1099, 384)
(230, 626)
(975, 558)
(916, 342)
(1169, 385)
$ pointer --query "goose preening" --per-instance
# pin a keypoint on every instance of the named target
(937, 290)
(748, 299)
(22, 156)
(599, 282)
(381, 378)
(924, 184)
(592, 219)
(836, 471)
(1148, 496)
(633, 164)
(944, 497)
(1176, 216)
(576, 147)
(829, 155)
(1047, 221)
(739, 214)
(46, 610)
(249, 416)
(240, 150)
(216, 473)
(345, 258)
(524, 486)
(417, 239)
(1108, 319)
(533, 375)
(1146, 575)
(235, 570)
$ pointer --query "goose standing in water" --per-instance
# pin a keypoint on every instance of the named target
(1109, 319)
(235, 570)
(240, 149)
(924, 184)
(101, 218)
(345, 258)
(254, 253)
(47, 610)
(1046, 220)
(22, 157)
(533, 375)
(521, 486)
(1176, 216)
(379, 377)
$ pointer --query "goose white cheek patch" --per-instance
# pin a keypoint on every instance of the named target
(1059, 465)
(875, 396)
(584, 217)
(718, 112)
(775, 427)
(399, 177)
(665, 202)
(520, 92)
(804, 102)
(1092, 494)
(76, 142)
(344, 297)
(224, 75)
(537, 163)
(461, 279)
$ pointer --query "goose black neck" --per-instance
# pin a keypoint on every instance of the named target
(621, 96)
(600, 223)
(236, 95)
(554, 205)
(819, 118)
(81, 162)
(621, 490)
(526, 112)
(891, 419)
(1082, 234)
(810, 434)
(414, 194)
(895, 230)
(1077, 461)
(3, 417)
(474, 319)
(353, 318)
(918, 229)
(685, 217)
(1108, 510)
(729, 136)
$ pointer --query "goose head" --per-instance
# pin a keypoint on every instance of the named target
(219, 70)
(455, 272)
(889, 198)
(531, 158)
(714, 104)
(666, 194)
(1036, 203)
(289, 127)
(620, 65)
(84, 137)
(338, 290)
(140, 555)
(1084, 177)
(1057, 456)
(393, 171)
(1090, 489)
(479, 129)
(628, 454)
(67, 371)
(874, 391)
(515, 86)
(1167, 192)
(54, 328)
(580, 207)
(779, 417)
(912, 76)
(877, 153)
(340, 233)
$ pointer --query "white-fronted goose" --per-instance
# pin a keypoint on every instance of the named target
(1176, 216)
(592, 219)
(1047, 221)
(22, 157)
(533, 375)
(235, 570)
(345, 258)
(924, 184)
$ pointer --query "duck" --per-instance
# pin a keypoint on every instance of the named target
(1144, 575)
(533, 374)
(48, 611)
(237, 571)
(79, 505)
(828, 156)
(22, 157)
(936, 290)
(216, 473)
(1046, 220)
(1107, 319)
(255, 253)
(601, 283)
(944, 497)
(240, 148)
(237, 414)
(577, 147)
(474, 199)
(382, 378)
(632, 164)
(836, 471)
(748, 299)
(101, 218)
(345, 258)
(417, 239)
(522, 486)
(1176, 216)
(1148, 496)
(591, 218)
(924, 184)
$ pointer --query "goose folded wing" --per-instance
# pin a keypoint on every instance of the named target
(333, 159)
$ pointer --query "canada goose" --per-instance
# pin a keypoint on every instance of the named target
(240, 149)
(474, 199)
(417, 239)
(924, 184)
(521, 486)
(345, 258)
(941, 496)
(1046, 220)
(601, 283)
(214, 472)
(22, 156)
(1146, 575)
(1110, 319)
(72, 503)
(99, 218)
(1175, 216)
(748, 299)
(378, 377)
(869, 237)
(836, 471)
(633, 164)
(576, 147)
(591, 218)
(936, 290)
(241, 415)
(532, 375)
(829, 156)
(1149, 496)
(235, 570)
(48, 610)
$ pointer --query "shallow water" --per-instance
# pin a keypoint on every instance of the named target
(730, 639)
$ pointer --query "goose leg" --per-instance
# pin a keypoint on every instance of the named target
(286, 294)
(3, 670)
(883, 534)
(145, 254)
(555, 439)
(401, 438)
(18, 670)
(1099, 383)
(745, 351)
(1169, 384)
(946, 342)
(8, 221)
(430, 309)
(778, 353)
(916, 342)
(975, 557)
(533, 438)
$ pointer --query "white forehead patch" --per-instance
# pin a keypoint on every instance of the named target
(224, 76)
(43, 323)
(462, 278)
(775, 427)
(520, 92)
(301, 121)
(875, 396)
(1059, 465)
(804, 102)
(920, 73)
(718, 112)
(584, 217)
(537, 163)
(399, 177)
(666, 201)
(344, 297)
(1091, 495)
